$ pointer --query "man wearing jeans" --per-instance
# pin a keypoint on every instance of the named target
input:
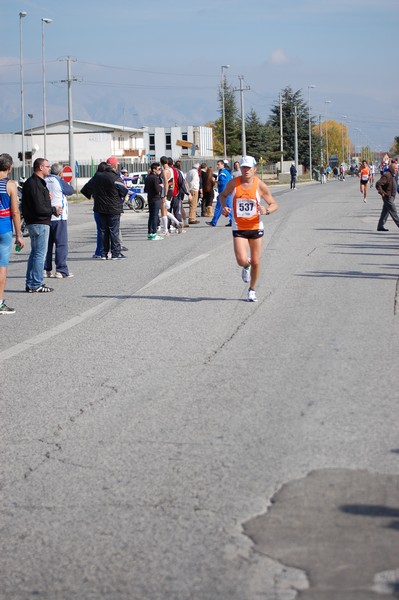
(108, 191)
(37, 211)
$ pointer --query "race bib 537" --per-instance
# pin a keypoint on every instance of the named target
(246, 208)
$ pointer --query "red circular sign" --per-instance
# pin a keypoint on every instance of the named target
(67, 173)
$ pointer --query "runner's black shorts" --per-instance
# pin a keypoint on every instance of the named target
(249, 234)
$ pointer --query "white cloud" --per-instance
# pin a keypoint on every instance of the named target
(278, 57)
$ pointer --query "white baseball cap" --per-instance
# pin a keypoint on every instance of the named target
(248, 161)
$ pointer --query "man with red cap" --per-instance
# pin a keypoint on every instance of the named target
(109, 191)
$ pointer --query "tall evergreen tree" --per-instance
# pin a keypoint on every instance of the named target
(290, 100)
(255, 135)
(233, 128)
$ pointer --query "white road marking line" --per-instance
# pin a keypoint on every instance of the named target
(62, 327)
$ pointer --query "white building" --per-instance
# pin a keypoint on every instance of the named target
(179, 142)
(97, 141)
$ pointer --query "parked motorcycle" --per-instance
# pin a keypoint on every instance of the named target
(133, 200)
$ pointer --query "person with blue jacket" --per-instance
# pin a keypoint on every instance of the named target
(224, 177)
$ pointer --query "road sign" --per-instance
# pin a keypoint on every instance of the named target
(67, 173)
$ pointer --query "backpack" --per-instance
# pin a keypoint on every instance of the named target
(176, 174)
(179, 183)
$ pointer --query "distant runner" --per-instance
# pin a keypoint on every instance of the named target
(364, 175)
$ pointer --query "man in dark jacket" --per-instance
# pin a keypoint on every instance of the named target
(387, 186)
(153, 189)
(37, 211)
(108, 191)
(293, 173)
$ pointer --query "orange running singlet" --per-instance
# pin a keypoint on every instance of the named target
(364, 174)
(246, 215)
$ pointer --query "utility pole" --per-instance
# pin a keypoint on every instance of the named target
(69, 81)
(223, 83)
(242, 89)
(281, 134)
(296, 137)
(321, 141)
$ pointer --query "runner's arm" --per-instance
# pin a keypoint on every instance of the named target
(165, 184)
(12, 191)
(266, 195)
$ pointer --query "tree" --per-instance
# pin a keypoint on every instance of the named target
(233, 128)
(217, 140)
(255, 135)
(337, 133)
(290, 100)
(395, 146)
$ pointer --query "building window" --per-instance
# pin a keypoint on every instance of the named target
(184, 137)
(152, 141)
(121, 140)
(168, 141)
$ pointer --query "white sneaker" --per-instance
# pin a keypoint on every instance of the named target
(252, 296)
(246, 274)
(62, 275)
(48, 274)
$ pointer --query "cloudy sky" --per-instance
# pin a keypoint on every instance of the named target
(158, 63)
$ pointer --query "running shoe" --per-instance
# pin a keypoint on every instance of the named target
(246, 274)
(59, 275)
(48, 274)
(252, 296)
(6, 310)
(155, 237)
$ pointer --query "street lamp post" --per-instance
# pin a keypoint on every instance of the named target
(21, 73)
(310, 87)
(30, 115)
(223, 111)
(47, 21)
(327, 157)
(343, 146)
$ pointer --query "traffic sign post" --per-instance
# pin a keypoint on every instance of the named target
(67, 173)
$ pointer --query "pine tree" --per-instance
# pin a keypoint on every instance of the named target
(290, 100)
(233, 129)
(255, 135)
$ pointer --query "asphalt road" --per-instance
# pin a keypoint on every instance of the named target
(164, 439)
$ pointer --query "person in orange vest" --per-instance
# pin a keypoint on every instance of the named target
(364, 174)
(246, 192)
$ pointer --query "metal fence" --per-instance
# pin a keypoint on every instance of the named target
(87, 168)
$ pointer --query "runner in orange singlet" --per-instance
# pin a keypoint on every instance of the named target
(247, 191)
(364, 175)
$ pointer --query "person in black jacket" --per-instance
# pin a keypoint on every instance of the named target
(37, 211)
(387, 186)
(154, 190)
(293, 173)
(108, 191)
